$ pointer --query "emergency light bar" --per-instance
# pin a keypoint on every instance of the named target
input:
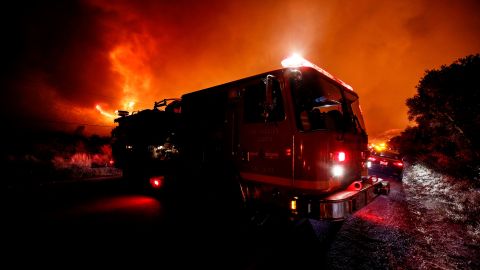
(297, 61)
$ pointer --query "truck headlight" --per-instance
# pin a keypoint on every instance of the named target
(338, 170)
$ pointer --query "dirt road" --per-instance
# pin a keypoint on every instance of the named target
(422, 224)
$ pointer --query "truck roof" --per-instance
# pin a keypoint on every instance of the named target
(273, 72)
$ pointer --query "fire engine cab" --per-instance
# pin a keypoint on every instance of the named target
(293, 137)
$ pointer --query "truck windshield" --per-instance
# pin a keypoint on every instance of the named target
(357, 125)
(317, 101)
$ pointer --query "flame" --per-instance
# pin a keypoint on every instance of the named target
(103, 112)
(130, 61)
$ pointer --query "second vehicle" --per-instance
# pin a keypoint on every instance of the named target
(385, 162)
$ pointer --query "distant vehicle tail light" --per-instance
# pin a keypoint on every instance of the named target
(156, 181)
(372, 159)
(398, 164)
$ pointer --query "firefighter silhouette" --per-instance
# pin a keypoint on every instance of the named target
(317, 119)
(333, 120)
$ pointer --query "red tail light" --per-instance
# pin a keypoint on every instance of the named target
(156, 181)
(339, 156)
(398, 164)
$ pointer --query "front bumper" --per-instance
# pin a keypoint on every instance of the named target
(343, 203)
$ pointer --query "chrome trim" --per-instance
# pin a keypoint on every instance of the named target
(344, 206)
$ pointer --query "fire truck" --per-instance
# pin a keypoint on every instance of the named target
(144, 144)
(293, 137)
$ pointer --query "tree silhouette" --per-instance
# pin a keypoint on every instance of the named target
(447, 112)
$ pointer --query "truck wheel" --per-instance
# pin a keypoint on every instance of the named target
(134, 179)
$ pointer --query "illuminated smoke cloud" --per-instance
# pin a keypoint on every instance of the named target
(66, 57)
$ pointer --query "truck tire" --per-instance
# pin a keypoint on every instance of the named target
(134, 179)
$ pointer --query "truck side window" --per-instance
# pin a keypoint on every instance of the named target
(278, 112)
(254, 103)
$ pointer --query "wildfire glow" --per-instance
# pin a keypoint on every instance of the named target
(129, 105)
(126, 62)
(103, 112)
(379, 146)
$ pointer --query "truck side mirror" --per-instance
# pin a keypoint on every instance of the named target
(269, 90)
(269, 104)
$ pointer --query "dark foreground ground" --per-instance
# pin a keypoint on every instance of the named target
(101, 222)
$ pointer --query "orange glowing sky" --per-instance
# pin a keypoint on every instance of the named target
(64, 59)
